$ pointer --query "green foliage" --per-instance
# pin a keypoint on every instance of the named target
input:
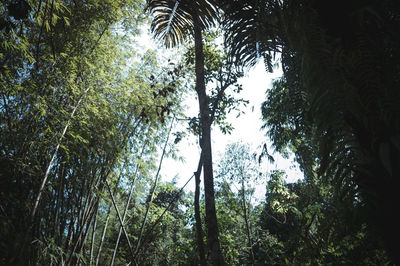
(80, 107)
(238, 164)
(305, 223)
(236, 216)
(335, 105)
(67, 80)
(252, 31)
(165, 241)
(221, 79)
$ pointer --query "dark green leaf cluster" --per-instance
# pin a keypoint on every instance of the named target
(337, 104)
(305, 223)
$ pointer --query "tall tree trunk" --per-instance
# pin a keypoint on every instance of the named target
(199, 227)
(120, 227)
(205, 143)
(80, 234)
(86, 229)
(246, 220)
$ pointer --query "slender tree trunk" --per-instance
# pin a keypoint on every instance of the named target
(120, 221)
(120, 228)
(45, 177)
(126, 207)
(93, 238)
(199, 227)
(153, 190)
(53, 157)
(205, 143)
(246, 220)
(31, 225)
(106, 223)
(86, 229)
(80, 236)
(71, 225)
(103, 235)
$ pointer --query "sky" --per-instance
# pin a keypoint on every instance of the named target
(247, 128)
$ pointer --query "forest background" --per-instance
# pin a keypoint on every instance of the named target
(88, 120)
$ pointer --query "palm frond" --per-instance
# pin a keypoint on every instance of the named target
(171, 22)
(173, 19)
(250, 31)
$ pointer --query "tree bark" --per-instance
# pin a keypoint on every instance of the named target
(205, 143)
(199, 227)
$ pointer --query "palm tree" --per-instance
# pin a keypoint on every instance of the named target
(174, 21)
(342, 59)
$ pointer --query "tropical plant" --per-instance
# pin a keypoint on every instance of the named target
(73, 111)
(238, 168)
(341, 74)
(307, 223)
(173, 21)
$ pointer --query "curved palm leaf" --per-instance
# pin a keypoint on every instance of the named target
(251, 30)
(173, 19)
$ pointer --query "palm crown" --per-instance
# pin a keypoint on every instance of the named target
(173, 19)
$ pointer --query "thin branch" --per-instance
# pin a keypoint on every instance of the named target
(127, 206)
(120, 220)
(153, 189)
